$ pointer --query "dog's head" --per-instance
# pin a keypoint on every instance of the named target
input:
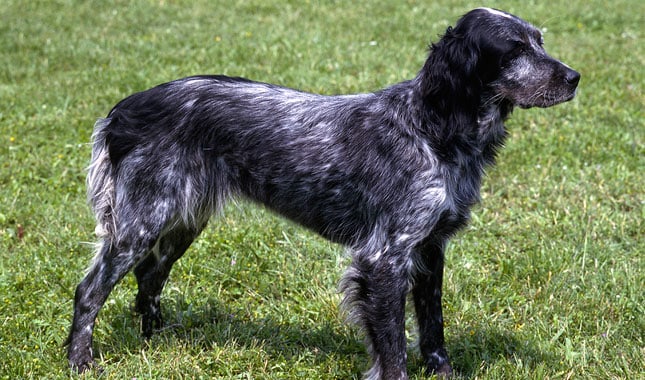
(508, 56)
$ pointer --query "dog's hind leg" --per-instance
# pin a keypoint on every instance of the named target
(427, 302)
(138, 230)
(375, 288)
(112, 262)
(152, 274)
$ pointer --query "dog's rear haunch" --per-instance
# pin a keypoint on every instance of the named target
(391, 175)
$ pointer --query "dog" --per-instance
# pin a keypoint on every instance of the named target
(391, 175)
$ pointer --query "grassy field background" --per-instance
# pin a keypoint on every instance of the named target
(546, 283)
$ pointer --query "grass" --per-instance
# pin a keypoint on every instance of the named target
(546, 283)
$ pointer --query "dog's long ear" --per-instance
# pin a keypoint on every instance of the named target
(450, 75)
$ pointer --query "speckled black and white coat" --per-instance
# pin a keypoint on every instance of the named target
(391, 175)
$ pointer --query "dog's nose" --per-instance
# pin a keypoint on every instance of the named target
(572, 77)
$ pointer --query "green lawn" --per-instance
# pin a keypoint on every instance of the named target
(546, 283)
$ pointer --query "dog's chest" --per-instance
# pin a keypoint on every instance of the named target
(451, 190)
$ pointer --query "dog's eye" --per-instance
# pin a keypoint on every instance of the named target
(515, 49)
(519, 46)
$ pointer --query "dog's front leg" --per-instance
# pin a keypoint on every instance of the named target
(375, 287)
(427, 302)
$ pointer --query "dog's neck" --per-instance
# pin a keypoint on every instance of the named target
(491, 130)
(468, 119)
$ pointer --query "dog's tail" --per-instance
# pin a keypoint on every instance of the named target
(100, 182)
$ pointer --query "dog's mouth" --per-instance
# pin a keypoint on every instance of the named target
(547, 99)
(565, 98)
(541, 97)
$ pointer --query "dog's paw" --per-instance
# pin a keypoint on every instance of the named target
(82, 361)
(444, 372)
(150, 324)
(83, 366)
